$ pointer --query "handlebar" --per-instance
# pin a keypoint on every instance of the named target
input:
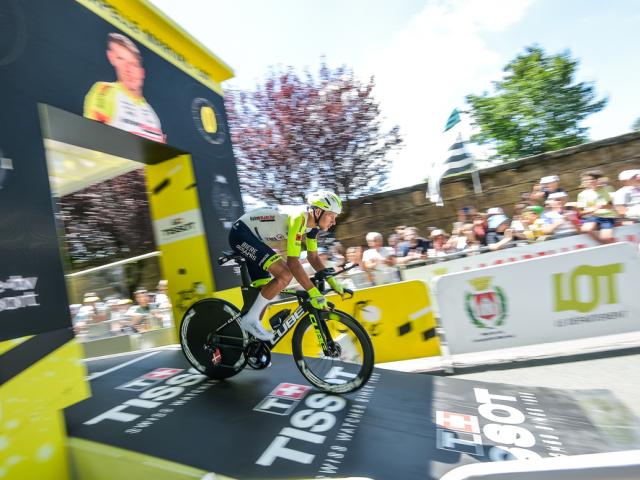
(322, 275)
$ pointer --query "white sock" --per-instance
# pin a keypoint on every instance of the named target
(256, 308)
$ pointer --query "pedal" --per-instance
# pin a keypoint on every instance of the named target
(258, 356)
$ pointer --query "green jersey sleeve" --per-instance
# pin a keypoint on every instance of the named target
(100, 102)
(297, 227)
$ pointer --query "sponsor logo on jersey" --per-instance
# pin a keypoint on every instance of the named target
(263, 218)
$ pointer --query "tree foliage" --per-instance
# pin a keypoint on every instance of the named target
(636, 125)
(107, 221)
(294, 133)
(537, 107)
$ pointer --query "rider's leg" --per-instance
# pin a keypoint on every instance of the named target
(251, 319)
(259, 258)
(281, 278)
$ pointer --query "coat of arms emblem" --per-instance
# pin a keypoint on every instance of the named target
(487, 304)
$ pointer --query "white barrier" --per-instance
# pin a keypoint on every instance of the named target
(581, 294)
(426, 273)
(598, 466)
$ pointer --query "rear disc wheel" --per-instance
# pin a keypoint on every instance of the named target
(199, 338)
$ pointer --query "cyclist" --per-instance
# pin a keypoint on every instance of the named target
(259, 232)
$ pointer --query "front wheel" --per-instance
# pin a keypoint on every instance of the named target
(349, 368)
(199, 338)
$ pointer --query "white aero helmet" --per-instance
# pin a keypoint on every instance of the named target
(325, 200)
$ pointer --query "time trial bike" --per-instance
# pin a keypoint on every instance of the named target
(330, 348)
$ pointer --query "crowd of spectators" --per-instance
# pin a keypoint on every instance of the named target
(545, 212)
(99, 318)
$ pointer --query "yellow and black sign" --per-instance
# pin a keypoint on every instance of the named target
(399, 330)
(125, 65)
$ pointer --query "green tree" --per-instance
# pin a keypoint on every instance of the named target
(295, 133)
(537, 107)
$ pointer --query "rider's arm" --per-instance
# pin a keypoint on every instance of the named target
(296, 229)
(314, 260)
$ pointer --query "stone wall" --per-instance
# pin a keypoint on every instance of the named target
(501, 185)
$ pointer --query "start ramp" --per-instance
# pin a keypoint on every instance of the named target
(150, 416)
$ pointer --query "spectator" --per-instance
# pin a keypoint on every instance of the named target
(626, 200)
(480, 228)
(379, 260)
(471, 243)
(590, 199)
(599, 217)
(534, 222)
(456, 241)
(548, 185)
(439, 239)
(161, 299)
(573, 213)
(465, 215)
(605, 188)
(497, 224)
(120, 321)
(356, 277)
(399, 230)
(141, 315)
(394, 242)
(561, 198)
(414, 247)
(556, 221)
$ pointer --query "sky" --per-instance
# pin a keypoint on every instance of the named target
(425, 55)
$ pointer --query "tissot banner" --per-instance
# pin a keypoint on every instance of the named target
(62, 54)
(580, 294)
(271, 424)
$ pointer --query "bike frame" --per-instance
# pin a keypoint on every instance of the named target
(322, 332)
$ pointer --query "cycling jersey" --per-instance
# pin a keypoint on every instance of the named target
(274, 227)
(112, 104)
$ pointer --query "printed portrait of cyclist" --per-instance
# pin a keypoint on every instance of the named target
(256, 236)
(121, 104)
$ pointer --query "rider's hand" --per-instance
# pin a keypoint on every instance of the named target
(335, 284)
(316, 299)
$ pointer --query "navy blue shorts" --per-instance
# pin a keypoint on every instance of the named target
(603, 223)
(258, 254)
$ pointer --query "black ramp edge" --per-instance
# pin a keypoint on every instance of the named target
(271, 424)
(31, 351)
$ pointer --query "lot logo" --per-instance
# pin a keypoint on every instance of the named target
(487, 306)
(283, 399)
(593, 280)
(506, 436)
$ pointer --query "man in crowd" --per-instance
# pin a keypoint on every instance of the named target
(379, 260)
(599, 217)
(626, 200)
(414, 247)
